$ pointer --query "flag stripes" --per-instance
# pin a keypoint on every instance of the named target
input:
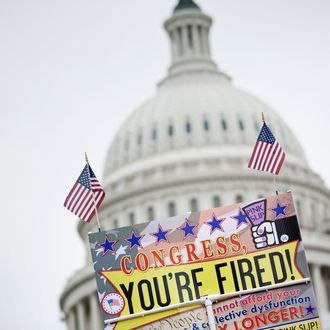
(267, 153)
(85, 196)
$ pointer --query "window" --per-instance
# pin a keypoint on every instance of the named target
(154, 134)
(206, 125)
(131, 218)
(115, 223)
(193, 205)
(170, 130)
(216, 201)
(188, 127)
(150, 213)
(171, 209)
(239, 198)
(241, 124)
(224, 124)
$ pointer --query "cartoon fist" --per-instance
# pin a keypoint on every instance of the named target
(265, 234)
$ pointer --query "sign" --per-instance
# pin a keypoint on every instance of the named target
(224, 252)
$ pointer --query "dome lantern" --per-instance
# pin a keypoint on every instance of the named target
(186, 4)
(188, 29)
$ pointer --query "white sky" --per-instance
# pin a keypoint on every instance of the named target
(72, 70)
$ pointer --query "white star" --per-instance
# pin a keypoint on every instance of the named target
(121, 250)
(101, 295)
(98, 251)
(104, 278)
(92, 245)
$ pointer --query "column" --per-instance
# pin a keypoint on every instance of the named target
(205, 40)
(320, 288)
(175, 44)
(71, 320)
(96, 321)
(185, 40)
(178, 35)
(81, 316)
(196, 40)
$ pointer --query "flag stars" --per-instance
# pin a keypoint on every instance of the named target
(161, 234)
(240, 218)
(134, 240)
(188, 229)
(310, 309)
(107, 246)
(279, 209)
(215, 223)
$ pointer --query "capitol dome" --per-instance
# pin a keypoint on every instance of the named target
(186, 149)
(197, 110)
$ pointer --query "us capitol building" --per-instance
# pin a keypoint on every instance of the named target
(187, 148)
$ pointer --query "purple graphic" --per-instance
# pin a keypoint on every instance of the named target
(256, 212)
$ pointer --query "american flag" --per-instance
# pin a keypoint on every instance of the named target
(113, 302)
(85, 195)
(267, 154)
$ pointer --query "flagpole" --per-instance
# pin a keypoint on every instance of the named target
(274, 175)
(275, 184)
(96, 213)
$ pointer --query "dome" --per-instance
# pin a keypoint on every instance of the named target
(196, 107)
(194, 111)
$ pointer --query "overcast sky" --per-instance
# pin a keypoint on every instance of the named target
(70, 73)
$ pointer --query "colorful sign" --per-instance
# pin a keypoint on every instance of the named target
(163, 263)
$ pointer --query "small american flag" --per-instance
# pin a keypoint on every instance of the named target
(85, 195)
(113, 302)
(267, 154)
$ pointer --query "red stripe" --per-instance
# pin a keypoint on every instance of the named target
(82, 201)
(101, 199)
(85, 205)
(272, 158)
(258, 155)
(90, 217)
(78, 199)
(73, 199)
(280, 164)
(266, 157)
(70, 193)
(87, 209)
(91, 214)
(276, 159)
(97, 197)
(252, 156)
(269, 157)
(262, 154)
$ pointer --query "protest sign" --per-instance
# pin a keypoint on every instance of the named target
(235, 252)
